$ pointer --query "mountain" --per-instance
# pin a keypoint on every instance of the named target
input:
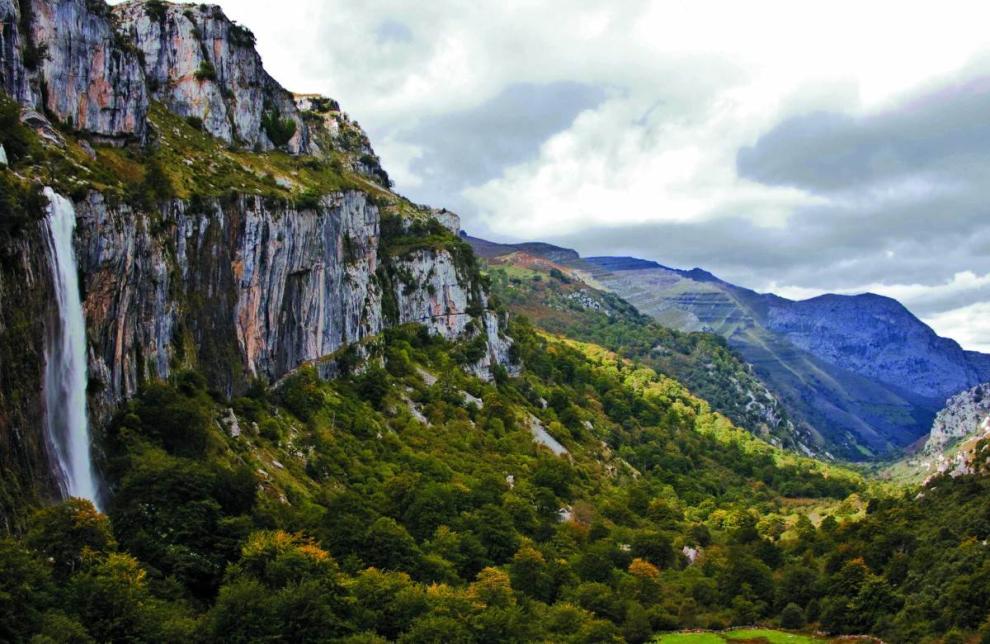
(555, 298)
(861, 372)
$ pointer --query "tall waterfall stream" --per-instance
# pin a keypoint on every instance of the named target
(66, 418)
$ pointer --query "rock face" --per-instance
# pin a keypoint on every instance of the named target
(877, 337)
(88, 78)
(247, 290)
(959, 442)
(26, 310)
(15, 79)
(965, 415)
(202, 65)
(65, 58)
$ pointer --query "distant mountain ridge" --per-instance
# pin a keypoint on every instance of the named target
(860, 371)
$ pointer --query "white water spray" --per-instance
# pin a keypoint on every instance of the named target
(66, 419)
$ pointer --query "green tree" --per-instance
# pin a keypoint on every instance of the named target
(389, 546)
(528, 572)
(387, 602)
(69, 532)
(111, 597)
(25, 591)
(792, 617)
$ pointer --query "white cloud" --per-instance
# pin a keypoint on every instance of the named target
(967, 325)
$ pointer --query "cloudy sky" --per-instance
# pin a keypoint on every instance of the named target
(786, 146)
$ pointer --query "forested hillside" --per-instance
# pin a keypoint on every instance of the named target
(307, 412)
(408, 500)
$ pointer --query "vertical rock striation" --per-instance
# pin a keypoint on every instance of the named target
(89, 79)
(201, 64)
(15, 79)
(247, 289)
(26, 315)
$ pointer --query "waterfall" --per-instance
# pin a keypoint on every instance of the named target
(66, 419)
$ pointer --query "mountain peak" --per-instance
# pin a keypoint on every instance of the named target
(624, 263)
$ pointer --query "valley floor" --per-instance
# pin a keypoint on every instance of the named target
(750, 636)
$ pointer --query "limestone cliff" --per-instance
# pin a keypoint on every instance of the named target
(251, 289)
(202, 65)
(25, 279)
(15, 78)
(87, 78)
(963, 416)
(957, 434)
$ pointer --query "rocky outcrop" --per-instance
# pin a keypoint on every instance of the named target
(15, 79)
(202, 65)
(449, 220)
(26, 313)
(247, 289)
(965, 415)
(89, 79)
(332, 129)
(959, 439)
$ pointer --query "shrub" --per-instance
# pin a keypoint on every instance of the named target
(270, 430)
(19, 205)
(279, 130)
(241, 36)
(179, 422)
(155, 9)
(154, 188)
(195, 122)
(206, 72)
(309, 199)
(792, 617)
(301, 394)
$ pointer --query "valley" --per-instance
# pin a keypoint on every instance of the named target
(250, 392)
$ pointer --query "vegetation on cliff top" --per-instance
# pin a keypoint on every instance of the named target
(182, 161)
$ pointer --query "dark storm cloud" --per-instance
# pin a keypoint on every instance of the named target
(470, 147)
(390, 30)
(934, 137)
(828, 248)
